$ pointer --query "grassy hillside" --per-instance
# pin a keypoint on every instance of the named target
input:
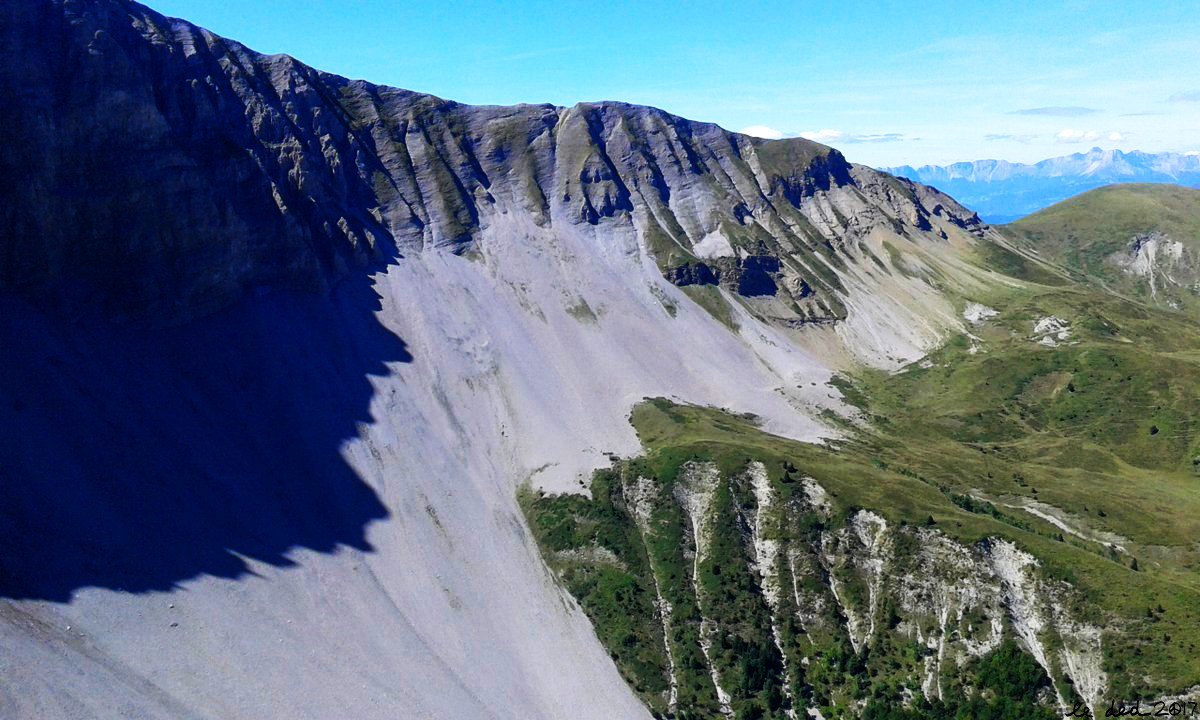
(1090, 234)
(1078, 445)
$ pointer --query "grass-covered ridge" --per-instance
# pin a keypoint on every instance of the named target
(1082, 453)
(1095, 223)
(1097, 236)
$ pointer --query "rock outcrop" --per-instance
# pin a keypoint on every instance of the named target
(794, 608)
(1165, 268)
(153, 168)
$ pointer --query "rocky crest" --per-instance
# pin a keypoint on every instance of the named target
(155, 168)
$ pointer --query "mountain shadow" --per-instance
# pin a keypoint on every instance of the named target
(161, 416)
(134, 458)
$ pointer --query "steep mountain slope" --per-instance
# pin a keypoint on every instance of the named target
(278, 347)
(1003, 192)
(295, 369)
(1139, 239)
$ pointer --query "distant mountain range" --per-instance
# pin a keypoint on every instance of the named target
(1002, 191)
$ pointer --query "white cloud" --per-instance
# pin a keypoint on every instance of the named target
(822, 135)
(1019, 137)
(1061, 111)
(878, 138)
(1192, 152)
(1071, 135)
(762, 131)
(837, 137)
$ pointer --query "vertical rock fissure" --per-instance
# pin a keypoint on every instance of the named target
(766, 557)
(641, 499)
(695, 490)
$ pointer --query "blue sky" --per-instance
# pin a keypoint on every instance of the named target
(886, 82)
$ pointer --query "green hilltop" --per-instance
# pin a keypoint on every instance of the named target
(1098, 235)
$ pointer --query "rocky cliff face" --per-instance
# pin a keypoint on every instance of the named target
(767, 600)
(157, 168)
(1166, 267)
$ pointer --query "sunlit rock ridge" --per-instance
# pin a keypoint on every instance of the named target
(210, 169)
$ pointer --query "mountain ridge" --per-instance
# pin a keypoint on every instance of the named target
(278, 348)
(306, 382)
(334, 173)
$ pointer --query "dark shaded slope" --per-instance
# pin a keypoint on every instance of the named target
(134, 459)
(154, 168)
(167, 185)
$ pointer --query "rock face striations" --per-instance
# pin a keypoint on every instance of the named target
(153, 167)
(755, 598)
